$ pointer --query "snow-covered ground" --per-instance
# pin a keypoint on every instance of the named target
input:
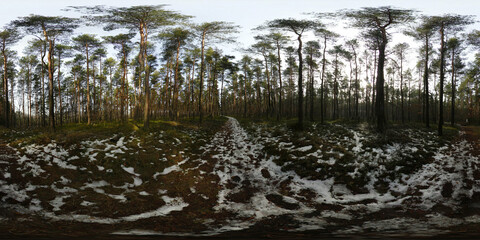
(246, 178)
(37, 179)
(424, 189)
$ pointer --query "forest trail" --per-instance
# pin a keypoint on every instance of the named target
(227, 186)
(260, 196)
(472, 135)
(252, 188)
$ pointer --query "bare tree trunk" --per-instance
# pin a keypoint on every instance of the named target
(29, 97)
(280, 108)
(312, 94)
(322, 104)
(94, 105)
(442, 78)
(425, 84)
(335, 88)
(367, 97)
(401, 89)
(60, 90)
(373, 82)
(269, 105)
(357, 85)
(78, 99)
(202, 70)
(175, 91)
(221, 93)
(51, 109)
(452, 121)
(42, 107)
(380, 101)
(5, 85)
(144, 62)
(88, 88)
(300, 83)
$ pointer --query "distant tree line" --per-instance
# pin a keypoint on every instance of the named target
(169, 67)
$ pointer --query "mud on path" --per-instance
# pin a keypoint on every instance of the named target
(228, 186)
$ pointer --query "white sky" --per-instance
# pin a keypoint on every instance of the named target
(246, 13)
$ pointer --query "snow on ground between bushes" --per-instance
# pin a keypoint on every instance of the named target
(90, 181)
(333, 176)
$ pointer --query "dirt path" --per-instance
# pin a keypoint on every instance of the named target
(230, 187)
(258, 195)
(472, 134)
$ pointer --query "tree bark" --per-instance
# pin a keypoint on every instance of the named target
(202, 70)
(88, 87)
(5, 86)
(401, 87)
(452, 121)
(51, 109)
(335, 88)
(380, 98)
(300, 83)
(146, 113)
(269, 89)
(42, 107)
(357, 84)
(324, 62)
(312, 93)
(425, 84)
(175, 91)
(280, 108)
(60, 89)
(122, 97)
(442, 78)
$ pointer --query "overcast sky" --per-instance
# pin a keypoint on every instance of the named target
(246, 13)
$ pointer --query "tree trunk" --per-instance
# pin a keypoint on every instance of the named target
(269, 89)
(335, 88)
(373, 82)
(146, 111)
(401, 88)
(42, 106)
(29, 87)
(312, 94)
(78, 98)
(324, 60)
(122, 97)
(380, 99)
(367, 97)
(442, 78)
(202, 70)
(51, 110)
(60, 90)
(88, 88)
(425, 84)
(5, 85)
(94, 85)
(280, 108)
(175, 91)
(350, 90)
(300, 83)
(452, 121)
(192, 92)
(357, 85)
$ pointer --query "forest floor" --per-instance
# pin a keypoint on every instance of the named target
(243, 180)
